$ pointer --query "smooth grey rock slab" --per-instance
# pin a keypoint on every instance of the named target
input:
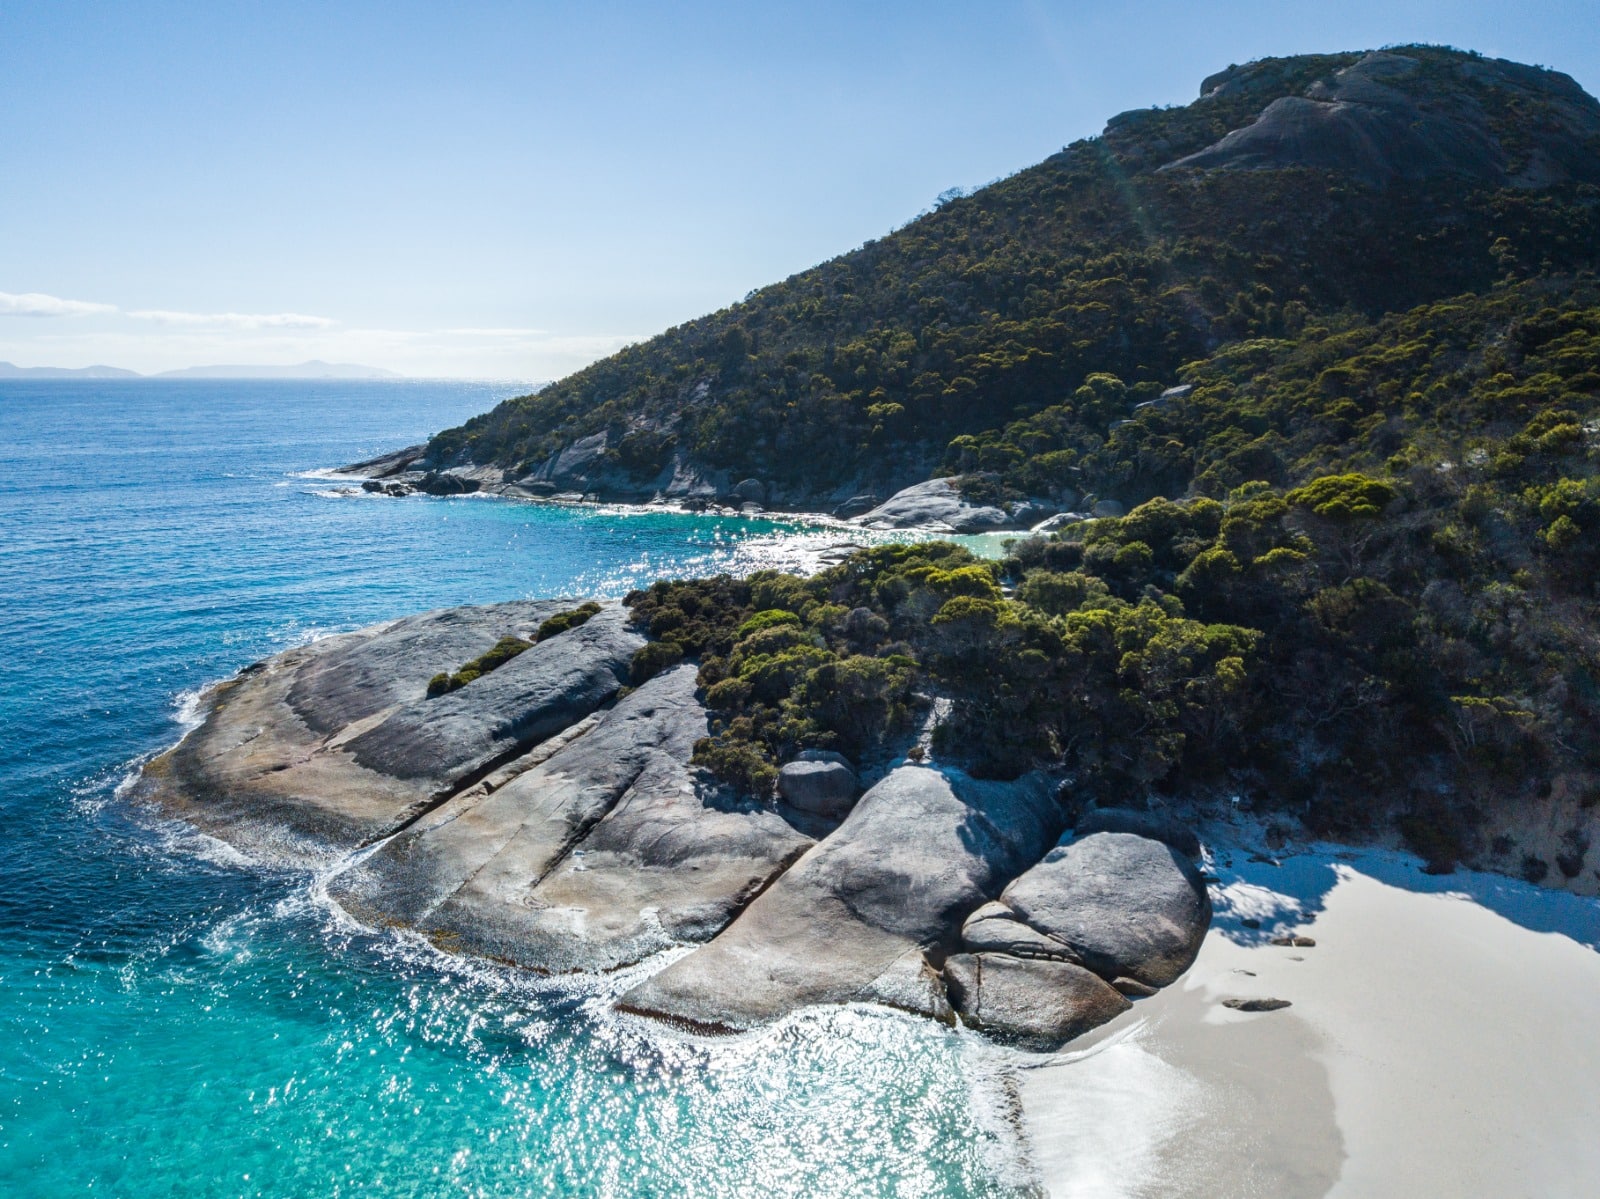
(1059, 521)
(606, 852)
(994, 928)
(820, 786)
(1122, 904)
(361, 677)
(850, 921)
(1041, 1004)
(934, 504)
(1142, 824)
(438, 743)
(269, 769)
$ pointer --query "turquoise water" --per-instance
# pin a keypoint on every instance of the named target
(176, 1021)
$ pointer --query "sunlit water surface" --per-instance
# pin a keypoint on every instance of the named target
(176, 1021)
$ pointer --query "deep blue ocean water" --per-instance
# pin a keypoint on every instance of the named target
(175, 1021)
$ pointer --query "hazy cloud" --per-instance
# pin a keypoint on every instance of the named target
(35, 303)
(234, 320)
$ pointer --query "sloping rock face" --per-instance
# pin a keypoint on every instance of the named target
(607, 851)
(269, 770)
(853, 919)
(1367, 121)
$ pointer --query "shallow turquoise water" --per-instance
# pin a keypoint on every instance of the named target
(174, 1021)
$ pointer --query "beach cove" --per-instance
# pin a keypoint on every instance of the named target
(163, 984)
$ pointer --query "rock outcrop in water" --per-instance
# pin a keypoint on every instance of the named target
(549, 816)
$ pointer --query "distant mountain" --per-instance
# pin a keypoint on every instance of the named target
(315, 369)
(10, 371)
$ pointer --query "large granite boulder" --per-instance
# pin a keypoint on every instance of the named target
(936, 505)
(439, 742)
(819, 782)
(1040, 1004)
(852, 919)
(1119, 904)
(270, 769)
(601, 854)
(1141, 824)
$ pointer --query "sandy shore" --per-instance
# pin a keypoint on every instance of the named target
(1443, 1040)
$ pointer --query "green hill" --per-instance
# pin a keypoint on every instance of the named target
(1293, 191)
(1358, 581)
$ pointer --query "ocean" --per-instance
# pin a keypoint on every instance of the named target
(176, 1020)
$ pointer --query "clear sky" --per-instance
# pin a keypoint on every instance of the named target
(512, 190)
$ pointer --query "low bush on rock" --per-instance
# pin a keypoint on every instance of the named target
(562, 621)
(504, 650)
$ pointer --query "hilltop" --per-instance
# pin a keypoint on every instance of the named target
(1294, 191)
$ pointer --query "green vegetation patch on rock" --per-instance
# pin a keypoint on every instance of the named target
(503, 651)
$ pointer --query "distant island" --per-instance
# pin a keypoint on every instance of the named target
(314, 369)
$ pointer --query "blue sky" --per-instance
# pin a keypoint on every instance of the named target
(512, 190)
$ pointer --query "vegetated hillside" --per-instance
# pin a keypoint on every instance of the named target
(1408, 635)
(1358, 581)
(1292, 190)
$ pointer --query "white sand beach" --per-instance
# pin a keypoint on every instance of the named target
(1443, 1040)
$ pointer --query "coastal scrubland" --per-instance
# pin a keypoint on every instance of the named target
(1330, 337)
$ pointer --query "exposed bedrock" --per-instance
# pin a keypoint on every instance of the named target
(1365, 121)
(855, 917)
(437, 743)
(607, 851)
(538, 815)
(1120, 904)
(1037, 1003)
(269, 770)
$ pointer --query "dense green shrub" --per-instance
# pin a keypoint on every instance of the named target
(503, 651)
(562, 621)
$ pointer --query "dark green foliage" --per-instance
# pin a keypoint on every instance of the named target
(562, 621)
(503, 651)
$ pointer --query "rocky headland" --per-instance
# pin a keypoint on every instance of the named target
(546, 814)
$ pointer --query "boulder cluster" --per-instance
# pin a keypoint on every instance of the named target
(549, 816)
